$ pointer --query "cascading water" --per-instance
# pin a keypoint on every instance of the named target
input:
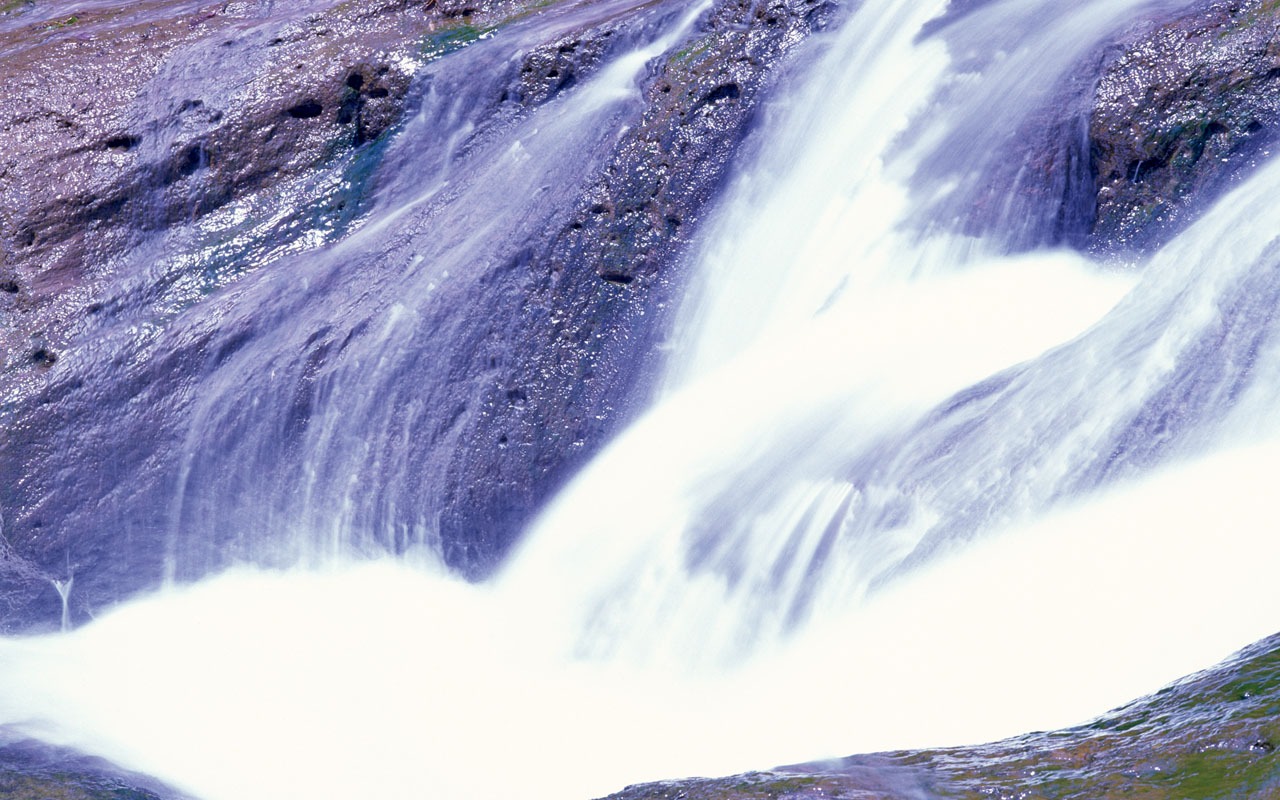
(901, 488)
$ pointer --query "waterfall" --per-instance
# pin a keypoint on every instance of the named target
(910, 479)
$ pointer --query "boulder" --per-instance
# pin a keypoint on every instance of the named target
(1180, 112)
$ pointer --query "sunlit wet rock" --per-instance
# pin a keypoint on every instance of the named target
(1184, 111)
(236, 137)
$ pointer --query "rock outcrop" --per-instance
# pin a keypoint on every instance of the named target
(1139, 137)
(607, 276)
(1181, 112)
(233, 139)
(120, 122)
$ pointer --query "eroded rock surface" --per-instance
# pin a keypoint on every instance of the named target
(1184, 109)
(606, 275)
(236, 142)
(118, 122)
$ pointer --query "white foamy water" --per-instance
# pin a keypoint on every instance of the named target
(901, 490)
(393, 680)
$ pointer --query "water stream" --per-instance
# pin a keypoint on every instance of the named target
(904, 485)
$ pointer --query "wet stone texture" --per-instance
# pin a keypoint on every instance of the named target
(604, 279)
(1211, 736)
(171, 126)
(1133, 143)
(117, 126)
(118, 122)
(1183, 110)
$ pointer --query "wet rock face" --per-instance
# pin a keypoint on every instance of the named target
(1139, 136)
(608, 273)
(31, 770)
(547, 353)
(119, 122)
(115, 125)
(1183, 110)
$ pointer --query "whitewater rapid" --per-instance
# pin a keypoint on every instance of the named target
(884, 500)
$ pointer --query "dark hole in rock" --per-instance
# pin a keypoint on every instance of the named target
(599, 208)
(725, 91)
(9, 287)
(567, 48)
(26, 238)
(43, 357)
(95, 308)
(1215, 129)
(554, 73)
(577, 226)
(307, 109)
(125, 142)
(1254, 126)
(516, 396)
(355, 80)
(621, 278)
(192, 159)
(188, 105)
(378, 91)
(347, 111)
(275, 42)
(1263, 745)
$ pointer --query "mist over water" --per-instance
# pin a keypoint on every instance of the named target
(901, 488)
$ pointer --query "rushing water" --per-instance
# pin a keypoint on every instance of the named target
(900, 488)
